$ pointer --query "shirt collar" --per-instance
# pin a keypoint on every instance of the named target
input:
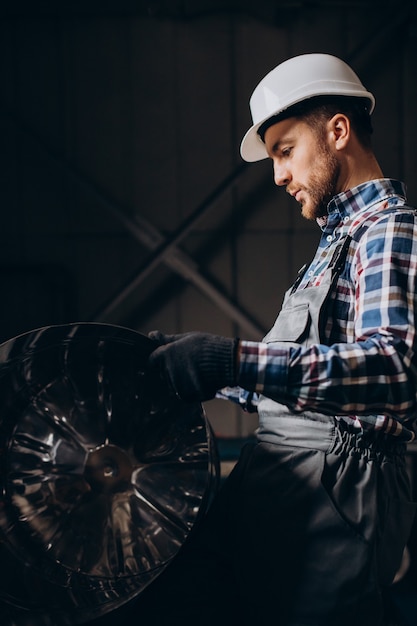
(348, 203)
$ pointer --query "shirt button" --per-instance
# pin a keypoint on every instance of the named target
(329, 238)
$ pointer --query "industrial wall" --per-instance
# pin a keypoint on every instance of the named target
(124, 199)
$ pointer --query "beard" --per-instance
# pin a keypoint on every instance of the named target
(322, 186)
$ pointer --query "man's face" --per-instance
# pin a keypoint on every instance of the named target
(304, 163)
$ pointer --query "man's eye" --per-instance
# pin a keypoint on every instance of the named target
(286, 152)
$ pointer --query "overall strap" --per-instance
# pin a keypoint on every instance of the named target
(335, 266)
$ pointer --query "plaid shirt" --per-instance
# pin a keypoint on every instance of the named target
(366, 371)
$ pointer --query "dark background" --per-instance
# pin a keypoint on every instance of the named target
(123, 196)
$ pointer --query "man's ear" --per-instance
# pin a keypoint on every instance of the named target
(339, 130)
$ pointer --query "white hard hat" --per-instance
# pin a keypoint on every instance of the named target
(292, 81)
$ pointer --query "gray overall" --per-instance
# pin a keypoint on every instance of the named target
(309, 526)
(300, 322)
(326, 509)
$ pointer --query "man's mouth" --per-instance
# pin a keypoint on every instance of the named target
(295, 193)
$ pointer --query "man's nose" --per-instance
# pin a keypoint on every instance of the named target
(281, 174)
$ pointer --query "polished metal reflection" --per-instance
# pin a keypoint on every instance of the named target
(98, 491)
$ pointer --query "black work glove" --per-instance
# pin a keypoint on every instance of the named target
(193, 366)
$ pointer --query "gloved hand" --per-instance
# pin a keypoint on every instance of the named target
(193, 366)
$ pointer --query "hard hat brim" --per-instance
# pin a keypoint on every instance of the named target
(253, 149)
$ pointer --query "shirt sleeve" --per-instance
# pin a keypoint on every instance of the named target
(376, 373)
(247, 400)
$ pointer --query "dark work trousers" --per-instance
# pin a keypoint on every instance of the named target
(298, 535)
(309, 527)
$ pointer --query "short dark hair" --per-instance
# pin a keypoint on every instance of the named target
(314, 111)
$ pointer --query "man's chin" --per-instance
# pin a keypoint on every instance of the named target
(307, 212)
(310, 212)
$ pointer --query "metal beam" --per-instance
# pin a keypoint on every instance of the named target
(163, 250)
(166, 251)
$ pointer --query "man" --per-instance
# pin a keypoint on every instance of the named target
(310, 527)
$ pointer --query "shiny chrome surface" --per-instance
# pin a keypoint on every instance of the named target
(98, 491)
